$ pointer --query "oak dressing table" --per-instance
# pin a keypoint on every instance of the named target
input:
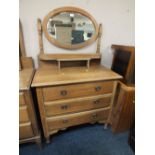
(72, 89)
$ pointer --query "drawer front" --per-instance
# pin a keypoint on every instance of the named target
(25, 131)
(64, 121)
(76, 105)
(21, 99)
(77, 90)
(23, 114)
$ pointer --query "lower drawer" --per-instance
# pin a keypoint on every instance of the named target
(77, 105)
(25, 131)
(60, 122)
(23, 114)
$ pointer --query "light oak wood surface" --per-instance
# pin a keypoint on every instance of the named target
(69, 56)
(25, 131)
(50, 76)
(64, 121)
(25, 78)
(23, 114)
(77, 90)
(59, 107)
(124, 108)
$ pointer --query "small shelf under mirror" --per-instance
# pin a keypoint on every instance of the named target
(69, 57)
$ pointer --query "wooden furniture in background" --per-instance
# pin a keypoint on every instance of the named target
(124, 108)
(28, 128)
(69, 93)
(124, 62)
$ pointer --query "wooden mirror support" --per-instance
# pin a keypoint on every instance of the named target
(57, 60)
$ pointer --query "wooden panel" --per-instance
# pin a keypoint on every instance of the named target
(124, 62)
(77, 90)
(25, 78)
(64, 121)
(25, 131)
(76, 105)
(69, 56)
(53, 76)
(23, 114)
(21, 41)
(124, 107)
(21, 98)
(27, 62)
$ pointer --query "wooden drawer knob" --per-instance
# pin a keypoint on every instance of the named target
(65, 121)
(94, 116)
(64, 107)
(96, 102)
(98, 88)
(63, 92)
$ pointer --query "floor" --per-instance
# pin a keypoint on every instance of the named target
(82, 140)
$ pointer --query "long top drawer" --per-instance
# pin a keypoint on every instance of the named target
(77, 90)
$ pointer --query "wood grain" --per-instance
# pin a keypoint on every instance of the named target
(123, 109)
(21, 41)
(69, 56)
(25, 131)
(27, 62)
(23, 114)
(99, 39)
(64, 121)
(25, 79)
(53, 76)
(60, 107)
(78, 90)
(39, 27)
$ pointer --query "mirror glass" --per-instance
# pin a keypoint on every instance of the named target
(70, 28)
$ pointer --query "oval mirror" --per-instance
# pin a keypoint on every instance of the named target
(70, 28)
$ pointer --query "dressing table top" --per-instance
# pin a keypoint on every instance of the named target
(25, 78)
(54, 76)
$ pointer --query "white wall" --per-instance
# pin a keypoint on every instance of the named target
(117, 17)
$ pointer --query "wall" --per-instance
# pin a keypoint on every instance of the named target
(117, 17)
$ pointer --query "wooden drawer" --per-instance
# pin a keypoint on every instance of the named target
(77, 90)
(60, 122)
(21, 99)
(76, 105)
(23, 114)
(25, 131)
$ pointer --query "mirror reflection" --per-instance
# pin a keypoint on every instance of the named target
(70, 28)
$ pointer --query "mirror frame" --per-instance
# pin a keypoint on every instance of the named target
(69, 9)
